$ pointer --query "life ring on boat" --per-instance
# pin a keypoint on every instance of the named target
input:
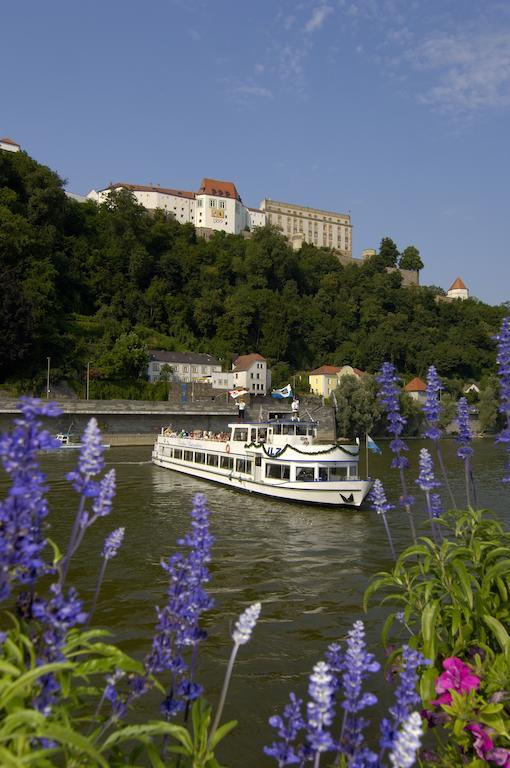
(227, 448)
(305, 441)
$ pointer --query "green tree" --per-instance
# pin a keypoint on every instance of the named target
(357, 409)
(410, 259)
(127, 359)
(488, 408)
(388, 253)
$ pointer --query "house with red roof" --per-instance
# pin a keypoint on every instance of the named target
(8, 145)
(416, 389)
(325, 379)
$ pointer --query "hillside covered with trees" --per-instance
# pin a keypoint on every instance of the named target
(85, 283)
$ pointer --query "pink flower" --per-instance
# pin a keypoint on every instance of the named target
(483, 744)
(500, 756)
(457, 677)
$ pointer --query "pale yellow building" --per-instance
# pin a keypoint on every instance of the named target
(324, 380)
(310, 225)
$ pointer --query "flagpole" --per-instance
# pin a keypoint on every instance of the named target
(366, 451)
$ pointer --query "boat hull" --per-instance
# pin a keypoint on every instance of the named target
(350, 493)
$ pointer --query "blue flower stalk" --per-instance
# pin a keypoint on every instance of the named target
(178, 632)
(465, 450)
(112, 544)
(432, 410)
(408, 742)
(244, 627)
(358, 663)
(25, 508)
(90, 464)
(320, 711)
(427, 482)
(288, 727)
(406, 698)
(381, 506)
(388, 397)
(503, 361)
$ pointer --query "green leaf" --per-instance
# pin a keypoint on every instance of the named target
(152, 728)
(465, 579)
(428, 629)
(57, 554)
(71, 739)
(30, 677)
(222, 731)
(498, 629)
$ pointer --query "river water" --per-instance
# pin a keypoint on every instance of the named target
(307, 566)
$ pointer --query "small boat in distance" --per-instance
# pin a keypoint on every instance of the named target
(65, 440)
(276, 458)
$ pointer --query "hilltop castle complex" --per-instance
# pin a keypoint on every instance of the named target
(217, 207)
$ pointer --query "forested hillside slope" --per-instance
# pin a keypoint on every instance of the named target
(86, 283)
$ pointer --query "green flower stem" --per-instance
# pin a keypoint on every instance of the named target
(226, 683)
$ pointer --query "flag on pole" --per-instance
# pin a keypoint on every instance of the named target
(283, 392)
(235, 393)
(372, 445)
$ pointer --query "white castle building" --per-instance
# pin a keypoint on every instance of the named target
(216, 206)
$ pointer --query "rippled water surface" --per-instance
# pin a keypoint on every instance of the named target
(308, 566)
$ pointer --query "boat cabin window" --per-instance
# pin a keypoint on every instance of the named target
(304, 474)
(199, 457)
(177, 453)
(262, 435)
(244, 466)
(288, 429)
(226, 462)
(188, 455)
(277, 429)
(277, 471)
(323, 473)
(241, 435)
(301, 430)
(338, 473)
(212, 459)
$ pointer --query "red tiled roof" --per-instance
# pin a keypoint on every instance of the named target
(244, 362)
(145, 188)
(415, 385)
(325, 370)
(7, 140)
(457, 284)
(219, 189)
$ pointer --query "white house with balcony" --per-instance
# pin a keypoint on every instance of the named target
(181, 367)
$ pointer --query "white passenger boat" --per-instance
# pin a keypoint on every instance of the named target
(281, 459)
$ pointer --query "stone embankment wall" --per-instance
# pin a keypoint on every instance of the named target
(136, 422)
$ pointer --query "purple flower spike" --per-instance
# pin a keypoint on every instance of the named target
(503, 360)
(407, 743)
(432, 407)
(426, 479)
(113, 543)
(178, 631)
(320, 708)
(381, 506)
(90, 462)
(388, 396)
(288, 727)
(102, 505)
(436, 505)
(406, 696)
(23, 512)
(358, 664)
(464, 438)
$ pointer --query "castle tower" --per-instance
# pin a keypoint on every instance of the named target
(458, 290)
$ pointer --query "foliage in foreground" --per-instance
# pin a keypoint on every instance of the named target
(67, 691)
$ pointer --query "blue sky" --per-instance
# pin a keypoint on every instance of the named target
(395, 110)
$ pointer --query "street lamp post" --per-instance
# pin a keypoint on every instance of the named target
(48, 378)
(88, 381)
